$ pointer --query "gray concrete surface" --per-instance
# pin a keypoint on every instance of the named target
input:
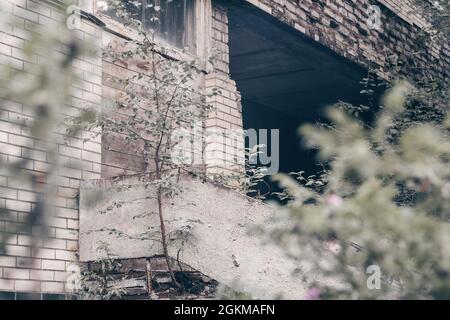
(221, 244)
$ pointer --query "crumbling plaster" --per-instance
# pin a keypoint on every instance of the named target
(223, 244)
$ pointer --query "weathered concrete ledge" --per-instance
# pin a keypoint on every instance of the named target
(220, 244)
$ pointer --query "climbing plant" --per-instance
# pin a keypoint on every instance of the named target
(102, 280)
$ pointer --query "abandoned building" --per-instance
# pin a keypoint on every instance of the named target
(276, 64)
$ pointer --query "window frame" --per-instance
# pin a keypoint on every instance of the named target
(203, 43)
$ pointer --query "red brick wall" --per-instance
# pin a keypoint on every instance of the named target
(342, 26)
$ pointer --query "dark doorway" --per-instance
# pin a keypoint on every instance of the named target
(286, 80)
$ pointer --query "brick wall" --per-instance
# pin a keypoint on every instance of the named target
(342, 26)
(405, 10)
(43, 267)
(226, 148)
(118, 157)
(123, 159)
(337, 24)
(219, 26)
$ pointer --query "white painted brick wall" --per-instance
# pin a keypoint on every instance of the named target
(43, 268)
(227, 114)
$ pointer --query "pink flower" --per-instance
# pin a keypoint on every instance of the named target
(333, 246)
(312, 294)
(334, 200)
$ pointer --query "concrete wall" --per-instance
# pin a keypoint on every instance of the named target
(222, 242)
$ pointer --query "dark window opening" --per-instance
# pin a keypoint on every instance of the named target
(287, 80)
(173, 21)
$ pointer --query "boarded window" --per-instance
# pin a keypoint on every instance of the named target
(173, 21)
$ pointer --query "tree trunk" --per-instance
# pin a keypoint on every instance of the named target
(164, 239)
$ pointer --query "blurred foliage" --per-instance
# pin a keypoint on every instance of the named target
(102, 281)
(40, 92)
(227, 293)
(437, 14)
(425, 65)
(385, 203)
